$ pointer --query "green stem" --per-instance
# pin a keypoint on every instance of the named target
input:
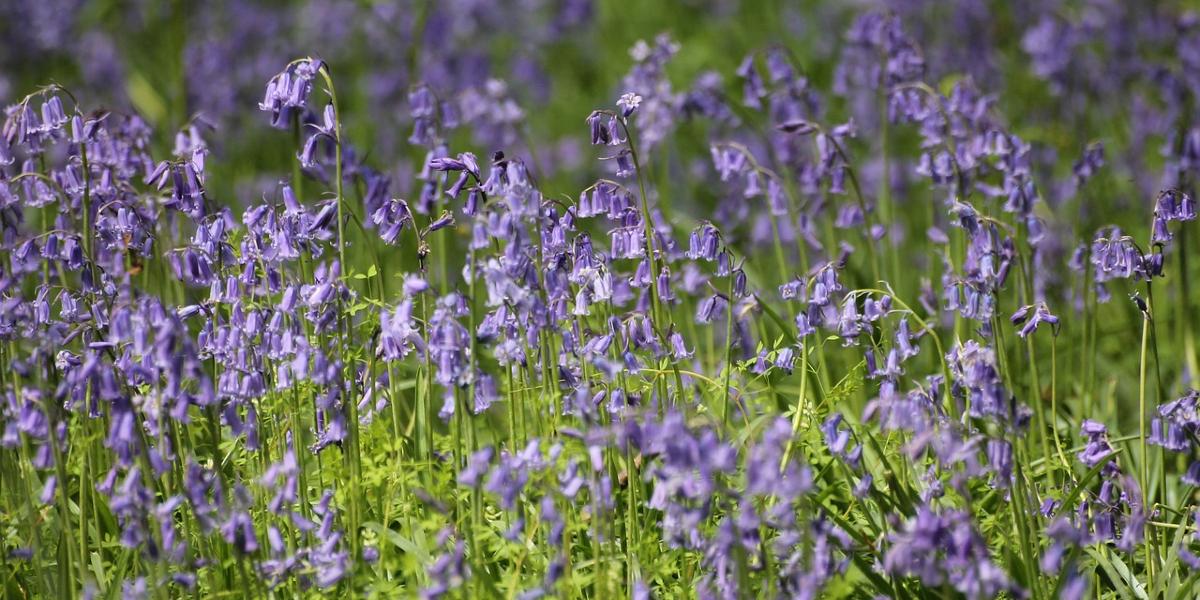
(728, 349)
(799, 415)
(1054, 403)
(656, 303)
(354, 459)
(872, 251)
(1144, 471)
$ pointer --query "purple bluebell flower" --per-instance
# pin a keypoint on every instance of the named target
(704, 243)
(1098, 448)
(1175, 427)
(391, 217)
(977, 382)
(628, 103)
(1088, 164)
(472, 475)
(837, 440)
(288, 91)
(1030, 322)
(945, 549)
(1174, 205)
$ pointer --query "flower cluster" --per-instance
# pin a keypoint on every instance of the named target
(381, 337)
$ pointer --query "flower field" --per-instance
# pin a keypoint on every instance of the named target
(592, 299)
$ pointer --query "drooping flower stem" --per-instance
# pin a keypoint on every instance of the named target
(547, 345)
(784, 184)
(1035, 397)
(469, 416)
(88, 246)
(425, 399)
(298, 428)
(1035, 392)
(631, 535)
(785, 175)
(511, 400)
(872, 250)
(933, 334)
(1087, 355)
(1152, 500)
(297, 172)
(91, 258)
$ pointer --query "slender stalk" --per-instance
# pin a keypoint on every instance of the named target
(800, 403)
(476, 499)
(1035, 397)
(728, 351)
(337, 168)
(64, 502)
(1144, 466)
(650, 234)
(872, 250)
(887, 211)
(1054, 404)
(1185, 308)
(354, 459)
(27, 474)
(425, 403)
(1019, 515)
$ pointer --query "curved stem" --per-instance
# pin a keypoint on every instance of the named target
(862, 206)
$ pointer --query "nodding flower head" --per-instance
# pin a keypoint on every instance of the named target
(1031, 316)
(1115, 256)
(605, 129)
(287, 92)
(704, 243)
(1174, 205)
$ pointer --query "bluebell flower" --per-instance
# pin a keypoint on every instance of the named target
(288, 91)
(1030, 322)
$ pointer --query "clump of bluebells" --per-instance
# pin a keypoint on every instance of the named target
(771, 336)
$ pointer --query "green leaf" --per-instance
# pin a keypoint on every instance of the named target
(946, 85)
(784, 327)
(848, 386)
(1118, 577)
(399, 541)
(145, 98)
(1078, 489)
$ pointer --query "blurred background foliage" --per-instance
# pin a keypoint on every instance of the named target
(175, 60)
